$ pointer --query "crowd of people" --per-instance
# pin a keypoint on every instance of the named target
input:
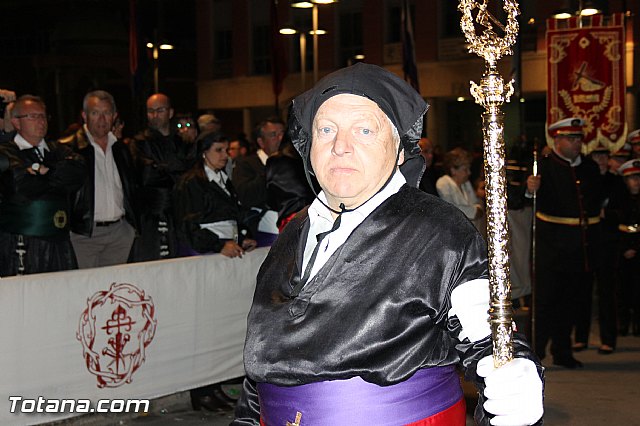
(587, 235)
(179, 187)
(182, 187)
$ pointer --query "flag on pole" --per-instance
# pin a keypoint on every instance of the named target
(279, 69)
(409, 65)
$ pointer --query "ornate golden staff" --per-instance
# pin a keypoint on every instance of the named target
(491, 93)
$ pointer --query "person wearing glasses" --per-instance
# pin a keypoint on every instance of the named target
(160, 157)
(37, 181)
(103, 219)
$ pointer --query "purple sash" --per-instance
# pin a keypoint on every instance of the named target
(356, 402)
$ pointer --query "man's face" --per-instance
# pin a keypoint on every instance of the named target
(216, 156)
(601, 159)
(352, 150)
(635, 149)
(569, 146)
(633, 183)
(272, 134)
(159, 113)
(31, 123)
(234, 150)
(99, 117)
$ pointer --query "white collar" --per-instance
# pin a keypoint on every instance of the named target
(24, 144)
(111, 138)
(216, 175)
(262, 156)
(318, 210)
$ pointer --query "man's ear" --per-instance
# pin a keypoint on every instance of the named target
(171, 113)
(401, 158)
(84, 116)
(15, 123)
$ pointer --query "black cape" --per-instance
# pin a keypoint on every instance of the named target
(377, 309)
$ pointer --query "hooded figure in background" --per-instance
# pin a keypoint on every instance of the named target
(372, 296)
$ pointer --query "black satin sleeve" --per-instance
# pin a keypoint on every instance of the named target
(377, 309)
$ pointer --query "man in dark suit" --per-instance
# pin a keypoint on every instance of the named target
(102, 219)
(37, 182)
(249, 177)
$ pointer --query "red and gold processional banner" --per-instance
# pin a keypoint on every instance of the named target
(586, 76)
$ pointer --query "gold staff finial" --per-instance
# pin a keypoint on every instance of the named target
(491, 93)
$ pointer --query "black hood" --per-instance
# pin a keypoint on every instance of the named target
(394, 96)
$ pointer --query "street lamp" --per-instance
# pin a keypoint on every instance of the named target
(156, 46)
(303, 53)
(303, 48)
(315, 32)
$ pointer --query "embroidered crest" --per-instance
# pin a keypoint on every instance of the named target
(60, 219)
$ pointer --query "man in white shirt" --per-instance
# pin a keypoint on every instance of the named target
(103, 218)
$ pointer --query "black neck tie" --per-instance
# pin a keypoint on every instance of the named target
(36, 150)
(307, 271)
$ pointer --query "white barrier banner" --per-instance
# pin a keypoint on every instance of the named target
(141, 330)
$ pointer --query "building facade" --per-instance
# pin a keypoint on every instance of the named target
(234, 70)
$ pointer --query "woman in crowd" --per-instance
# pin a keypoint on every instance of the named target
(456, 188)
(208, 220)
(207, 208)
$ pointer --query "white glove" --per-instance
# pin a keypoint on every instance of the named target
(513, 392)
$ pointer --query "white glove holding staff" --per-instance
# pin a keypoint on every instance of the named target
(513, 392)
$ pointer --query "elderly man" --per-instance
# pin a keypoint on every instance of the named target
(569, 196)
(103, 218)
(160, 158)
(371, 297)
(37, 180)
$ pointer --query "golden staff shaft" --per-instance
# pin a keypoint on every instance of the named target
(491, 93)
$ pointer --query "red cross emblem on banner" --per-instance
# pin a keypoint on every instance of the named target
(115, 329)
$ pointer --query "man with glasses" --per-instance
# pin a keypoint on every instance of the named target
(103, 218)
(160, 157)
(569, 199)
(37, 181)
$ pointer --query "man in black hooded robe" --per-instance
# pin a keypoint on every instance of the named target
(371, 297)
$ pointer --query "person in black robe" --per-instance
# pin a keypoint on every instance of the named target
(287, 189)
(161, 158)
(209, 219)
(208, 214)
(627, 211)
(372, 297)
(37, 181)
